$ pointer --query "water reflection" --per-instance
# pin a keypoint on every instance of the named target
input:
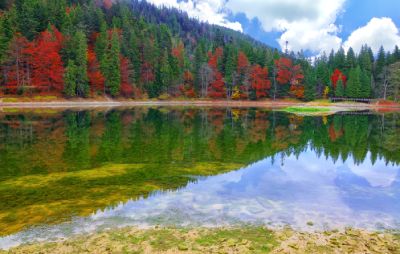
(74, 172)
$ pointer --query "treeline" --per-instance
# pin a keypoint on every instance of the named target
(88, 48)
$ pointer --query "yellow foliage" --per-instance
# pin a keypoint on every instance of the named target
(236, 93)
(326, 91)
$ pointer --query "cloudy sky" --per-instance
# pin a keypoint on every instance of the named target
(311, 25)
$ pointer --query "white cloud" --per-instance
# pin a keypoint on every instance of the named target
(306, 24)
(211, 11)
(377, 32)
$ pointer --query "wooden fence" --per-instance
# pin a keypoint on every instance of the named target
(363, 100)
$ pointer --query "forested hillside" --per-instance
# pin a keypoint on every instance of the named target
(131, 49)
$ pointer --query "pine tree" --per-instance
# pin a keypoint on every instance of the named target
(396, 53)
(379, 74)
(353, 87)
(134, 56)
(199, 60)
(81, 62)
(310, 84)
(27, 15)
(112, 65)
(101, 46)
(230, 67)
(339, 59)
(340, 90)
(70, 79)
(380, 61)
(351, 60)
(365, 79)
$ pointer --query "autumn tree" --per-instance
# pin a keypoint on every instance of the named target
(243, 68)
(47, 66)
(290, 74)
(216, 88)
(187, 88)
(259, 81)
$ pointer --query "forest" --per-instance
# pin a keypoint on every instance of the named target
(133, 50)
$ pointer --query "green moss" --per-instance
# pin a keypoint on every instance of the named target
(258, 239)
(164, 239)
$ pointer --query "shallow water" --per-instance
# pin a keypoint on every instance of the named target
(63, 173)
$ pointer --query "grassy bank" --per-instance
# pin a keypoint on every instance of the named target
(220, 240)
(306, 109)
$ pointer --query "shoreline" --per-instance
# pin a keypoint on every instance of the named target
(65, 104)
(244, 239)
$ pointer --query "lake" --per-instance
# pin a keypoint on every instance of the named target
(69, 172)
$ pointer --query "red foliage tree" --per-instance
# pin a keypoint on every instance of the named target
(187, 89)
(287, 72)
(336, 75)
(217, 87)
(259, 80)
(96, 78)
(290, 74)
(48, 70)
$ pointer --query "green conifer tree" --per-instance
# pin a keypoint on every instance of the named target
(113, 72)
(365, 80)
(82, 85)
(340, 90)
(310, 84)
(70, 79)
(353, 89)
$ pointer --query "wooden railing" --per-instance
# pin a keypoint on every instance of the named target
(364, 100)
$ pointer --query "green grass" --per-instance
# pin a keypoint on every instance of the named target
(305, 109)
(10, 99)
(45, 97)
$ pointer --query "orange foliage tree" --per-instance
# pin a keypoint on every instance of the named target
(187, 88)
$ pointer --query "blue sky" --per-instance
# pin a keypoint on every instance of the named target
(312, 25)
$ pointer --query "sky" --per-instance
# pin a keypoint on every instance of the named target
(314, 26)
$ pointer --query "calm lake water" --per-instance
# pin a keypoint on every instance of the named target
(63, 173)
